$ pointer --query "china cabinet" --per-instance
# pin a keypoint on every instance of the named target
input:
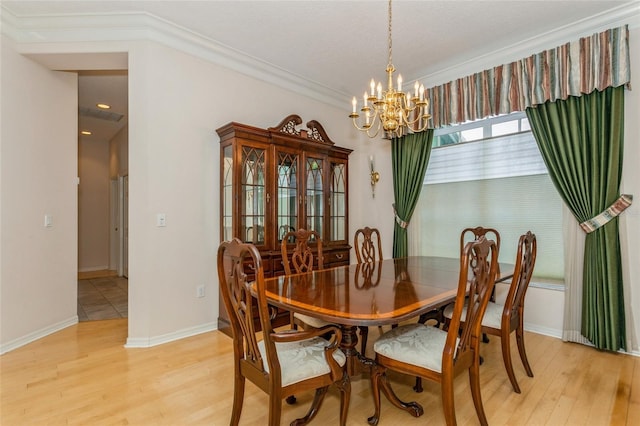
(279, 179)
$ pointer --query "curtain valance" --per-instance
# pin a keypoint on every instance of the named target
(575, 68)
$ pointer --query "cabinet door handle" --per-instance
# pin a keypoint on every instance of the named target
(339, 256)
(250, 266)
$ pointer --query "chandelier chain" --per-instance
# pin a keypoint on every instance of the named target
(390, 39)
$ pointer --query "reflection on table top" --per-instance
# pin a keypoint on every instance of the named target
(376, 293)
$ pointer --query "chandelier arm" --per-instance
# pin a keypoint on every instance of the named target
(374, 123)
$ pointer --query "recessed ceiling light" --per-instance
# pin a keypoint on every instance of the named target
(103, 106)
(85, 132)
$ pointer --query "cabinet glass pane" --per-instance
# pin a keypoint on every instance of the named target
(287, 175)
(314, 196)
(252, 196)
(227, 193)
(338, 202)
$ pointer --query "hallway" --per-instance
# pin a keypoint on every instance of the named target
(102, 296)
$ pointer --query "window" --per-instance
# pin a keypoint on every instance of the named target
(489, 173)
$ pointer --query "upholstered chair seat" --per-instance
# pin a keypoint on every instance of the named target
(416, 344)
(302, 360)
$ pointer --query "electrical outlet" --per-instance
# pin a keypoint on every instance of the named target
(200, 291)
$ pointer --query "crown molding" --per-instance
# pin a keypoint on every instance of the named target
(51, 33)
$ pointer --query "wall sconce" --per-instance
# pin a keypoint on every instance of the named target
(375, 177)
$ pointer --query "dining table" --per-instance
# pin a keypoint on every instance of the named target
(379, 293)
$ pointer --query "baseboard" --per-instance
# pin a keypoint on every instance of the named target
(552, 332)
(545, 331)
(94, 268)
(143, 342)
(31, 337)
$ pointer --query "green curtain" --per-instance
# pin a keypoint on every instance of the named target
(581, 141)
(409, 159)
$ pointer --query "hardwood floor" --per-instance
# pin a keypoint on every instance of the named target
(83, 375)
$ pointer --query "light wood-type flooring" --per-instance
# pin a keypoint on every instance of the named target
(83, 375)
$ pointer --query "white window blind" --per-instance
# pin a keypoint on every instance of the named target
(500, 183)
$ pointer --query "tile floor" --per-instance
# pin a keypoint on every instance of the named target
(102, 298)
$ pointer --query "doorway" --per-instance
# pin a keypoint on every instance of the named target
(102, 195)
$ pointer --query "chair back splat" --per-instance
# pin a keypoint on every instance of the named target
(282, 363)
(436, 354)
(368, 245)
(480, 257)
(301, 259)
(472, 234)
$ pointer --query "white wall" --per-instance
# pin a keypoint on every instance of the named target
(93, 205)
(118, 167)
(119, 154)
(38, 172)
(174, 169)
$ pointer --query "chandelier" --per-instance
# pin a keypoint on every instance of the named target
(396, 112)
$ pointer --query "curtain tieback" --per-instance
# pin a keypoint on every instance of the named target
(603, 218)
(403, 224)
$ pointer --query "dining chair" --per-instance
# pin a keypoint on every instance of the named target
(503, 319)
(438, 355)
(282, 363)
(467, 234)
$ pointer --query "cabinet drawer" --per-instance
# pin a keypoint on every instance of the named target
(335, 258)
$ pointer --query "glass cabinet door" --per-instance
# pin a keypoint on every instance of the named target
(338, 202)
(288, 199)
(227, 193)
(314, 196)
(252, 196)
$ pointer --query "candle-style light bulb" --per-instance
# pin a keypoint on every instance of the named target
(364, 98)
(399, 82)
(354, 102)
(379, 90)
(373, 87)
(421, 92)
(416, 87)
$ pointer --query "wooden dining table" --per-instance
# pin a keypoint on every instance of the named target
(370, 294)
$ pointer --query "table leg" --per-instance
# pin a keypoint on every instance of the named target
(348, 346)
